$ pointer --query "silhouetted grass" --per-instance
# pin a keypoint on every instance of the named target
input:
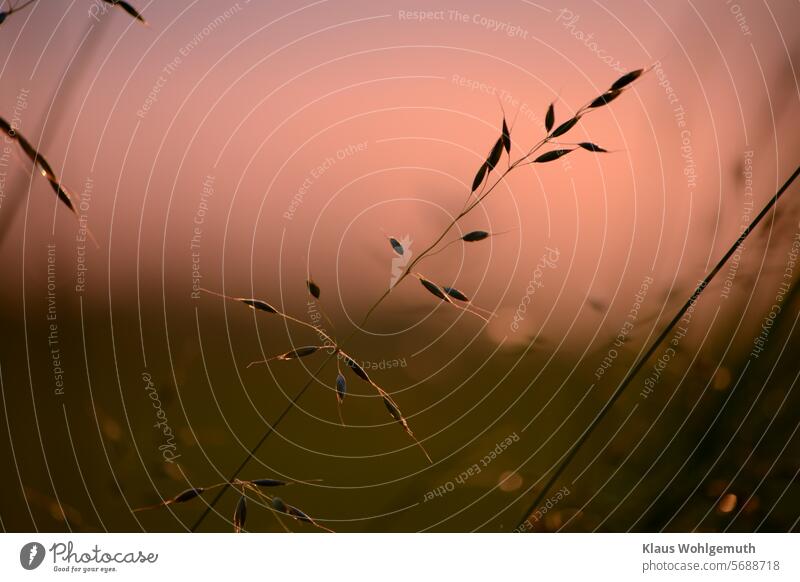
(481, 188)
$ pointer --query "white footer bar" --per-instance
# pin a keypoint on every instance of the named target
(400, 557)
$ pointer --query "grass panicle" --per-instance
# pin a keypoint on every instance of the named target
(240, 511)
(254, 304)
(481, 187)
(394, 410)
(41, 165)
(304, 351)
(440, 292)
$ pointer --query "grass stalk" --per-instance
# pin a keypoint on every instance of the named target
(471, 204)
(633, 372)
(254, 450)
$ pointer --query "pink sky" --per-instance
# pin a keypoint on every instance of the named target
(378, 117)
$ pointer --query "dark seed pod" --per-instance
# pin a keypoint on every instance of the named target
(626, 79)
(268, 482)
(44, 167)
(592, 147)
(494, 155)
(433, 288)
(549, 118)
(297, 514)
(127, 8)
(550, 156)
(341, 388)
(3, 16)
(259, 305)
(40, 163)
(396, 414)
(455, 293)
(29, 149)
(475, 236)
(565, 127)
(313, 288)
(357, 370)
(187, 495)
(606, 98)
(398, 248)
(506, 137)
(393, 410)
(299, 353)
(279, 505)
(62, 195)
(240, 514)
(479, 176)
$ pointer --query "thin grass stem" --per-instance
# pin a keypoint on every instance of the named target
(469, 207)
(576, 446)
